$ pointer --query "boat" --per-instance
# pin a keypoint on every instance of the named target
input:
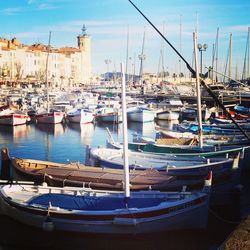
(174, 165)
(80, 116)
(53, 117)
(167, 115)
(79, 175)
(140, 114)
(114, 117)
(84, 210)
(13, 117)
(216, 151)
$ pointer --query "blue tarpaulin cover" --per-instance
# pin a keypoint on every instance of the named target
(93, 203)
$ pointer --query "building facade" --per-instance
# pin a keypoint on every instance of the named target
(27, 63)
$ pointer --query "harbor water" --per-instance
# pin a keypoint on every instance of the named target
(67, 143)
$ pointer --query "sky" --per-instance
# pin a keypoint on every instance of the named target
(116, 29)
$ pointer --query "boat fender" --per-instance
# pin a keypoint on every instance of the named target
(44, 184)
(48, 225)
(184, 188)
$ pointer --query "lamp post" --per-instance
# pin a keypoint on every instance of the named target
(107, 61)
(201, 49)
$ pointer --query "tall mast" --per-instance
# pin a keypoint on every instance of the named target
(126, 70)
(216, 54)
(245, 73)
(47, 71)
(198, 91)
(230, 57)
(180, 43)
(142, 56)
(212, 73)
(125, 136)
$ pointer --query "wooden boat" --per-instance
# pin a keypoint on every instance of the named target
(83, 210)
(13, 117)
(175, 165)
(79, 175)
(114, 117)
(176, 150)
(49, 117)
(141, 114)
(80, 116)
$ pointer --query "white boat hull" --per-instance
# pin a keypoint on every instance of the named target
(13, 119)
(50, 118)
(110, 117)
(81, 118)
(141, 116)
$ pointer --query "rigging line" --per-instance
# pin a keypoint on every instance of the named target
(210, 92)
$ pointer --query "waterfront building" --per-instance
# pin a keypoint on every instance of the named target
(67, 66)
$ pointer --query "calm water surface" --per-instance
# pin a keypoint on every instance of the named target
(67, 142)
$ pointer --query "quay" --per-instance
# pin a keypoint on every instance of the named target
(239, 238)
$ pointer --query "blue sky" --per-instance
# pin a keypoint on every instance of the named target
(108, 22)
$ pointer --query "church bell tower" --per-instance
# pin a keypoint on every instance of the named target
(84, 40)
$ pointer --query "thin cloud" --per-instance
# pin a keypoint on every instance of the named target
(45, 6)
(10, 11)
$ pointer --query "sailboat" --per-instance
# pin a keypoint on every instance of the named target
(84, 210)
(48, 116)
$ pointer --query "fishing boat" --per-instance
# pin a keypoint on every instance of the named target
(114, 117)
(174, 165)
(84, 210)
(168, 115)
(79, 175)
(80, 116)
(141, 114)
(53, 117)
(13, 117)
(176, 150)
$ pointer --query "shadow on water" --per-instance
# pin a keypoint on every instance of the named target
(221, 222)
(17, 236)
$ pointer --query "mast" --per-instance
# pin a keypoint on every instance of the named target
(142, 57)
(47, 71)
(198, 91)
(180, 44)
(126, 70)
(230, 57)
(216, 53)
(245, 73)
(125, 136)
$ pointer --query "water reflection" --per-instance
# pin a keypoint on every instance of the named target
(113, 127)
(143, 128)
(14, 132)
(86, 131)
(167, 124)
(53, 129)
